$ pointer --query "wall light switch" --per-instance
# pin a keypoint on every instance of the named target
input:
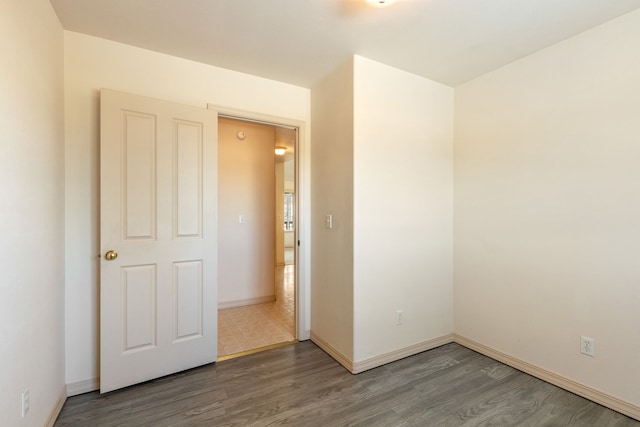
(240, 219)
(329, 221)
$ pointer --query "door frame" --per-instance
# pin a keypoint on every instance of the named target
(303, 206)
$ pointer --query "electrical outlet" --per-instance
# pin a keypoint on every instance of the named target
(588, 346)
(398, 317)
(25, 402)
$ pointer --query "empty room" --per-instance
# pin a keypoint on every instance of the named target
(462, 222)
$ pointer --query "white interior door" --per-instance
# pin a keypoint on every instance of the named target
(158, 304)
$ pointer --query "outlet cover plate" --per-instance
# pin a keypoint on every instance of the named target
(25, 402)
(588, 346)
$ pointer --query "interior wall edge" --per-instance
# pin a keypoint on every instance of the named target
(305, 335)
(597, 396)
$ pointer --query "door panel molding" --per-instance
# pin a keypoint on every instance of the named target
(158, 211)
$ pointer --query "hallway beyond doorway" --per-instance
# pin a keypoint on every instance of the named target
(249, 327)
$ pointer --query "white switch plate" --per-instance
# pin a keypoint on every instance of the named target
(240, 219)
(329, 221)
(398, 317)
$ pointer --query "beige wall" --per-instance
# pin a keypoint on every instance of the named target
(246, 187)
(91, 64)
(32, 211)
(403, 177)
(332, 193)
(544, 208)
(382, 166)
(547, 208)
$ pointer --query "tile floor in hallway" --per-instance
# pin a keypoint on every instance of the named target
(253, 326)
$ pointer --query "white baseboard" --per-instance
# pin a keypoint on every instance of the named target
(82, 387)
(331, 351)
(55, 411)
(575, 387)
(243, 302)
(382, 359)
(604, 399)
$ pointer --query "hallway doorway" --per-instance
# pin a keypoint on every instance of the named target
(256, 251)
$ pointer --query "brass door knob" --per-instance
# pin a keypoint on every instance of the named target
(111, 255)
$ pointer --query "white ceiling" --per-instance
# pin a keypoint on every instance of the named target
(301, 41)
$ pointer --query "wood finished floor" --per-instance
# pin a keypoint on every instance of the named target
(300, 385)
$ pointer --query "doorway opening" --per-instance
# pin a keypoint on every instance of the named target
(257, 234)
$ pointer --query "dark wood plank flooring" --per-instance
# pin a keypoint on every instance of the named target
(300, 385)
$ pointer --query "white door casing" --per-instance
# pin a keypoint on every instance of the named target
(303, 210)
(158, 192)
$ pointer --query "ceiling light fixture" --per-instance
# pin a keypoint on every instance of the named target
(280, 151)
(380, 3)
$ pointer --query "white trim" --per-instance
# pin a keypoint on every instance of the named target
(304, 335)
(303, 222)
(81, 387)
(383, 359)
(55, 411)
(269, 121)
(243, 302)
(331, 351)
(585, 391)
